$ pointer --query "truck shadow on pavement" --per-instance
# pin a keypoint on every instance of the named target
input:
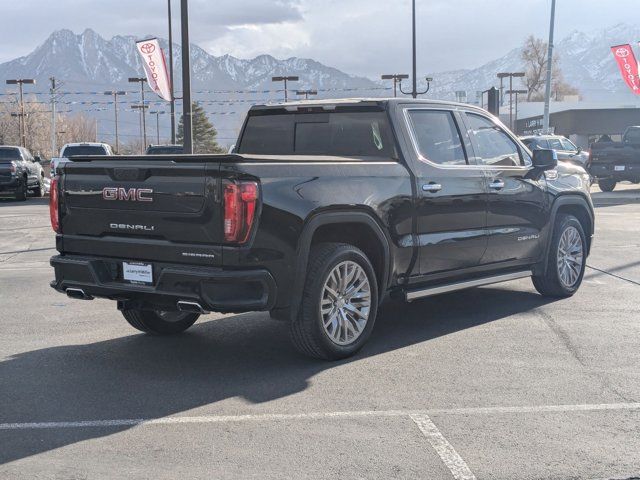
(248, 356)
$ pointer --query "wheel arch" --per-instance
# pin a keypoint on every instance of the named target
(356, 228)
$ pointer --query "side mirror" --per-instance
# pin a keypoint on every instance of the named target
(545, 159)
(579, 150)
(37, 159)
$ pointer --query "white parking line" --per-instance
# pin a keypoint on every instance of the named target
(265, 417)
(452, 460)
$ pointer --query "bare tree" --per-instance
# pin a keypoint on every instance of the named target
(534, 56)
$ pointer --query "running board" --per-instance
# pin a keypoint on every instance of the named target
(452, 287)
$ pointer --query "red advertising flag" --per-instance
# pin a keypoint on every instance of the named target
(628, 66)
(155, 67)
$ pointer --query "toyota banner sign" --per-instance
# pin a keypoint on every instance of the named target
(628, 66)
(155, 67)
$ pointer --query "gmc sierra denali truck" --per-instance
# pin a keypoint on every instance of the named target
(326, 209)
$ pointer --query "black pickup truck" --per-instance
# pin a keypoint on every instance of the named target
(613, 162)
(327, 208)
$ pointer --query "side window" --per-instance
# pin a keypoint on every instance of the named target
(491, 144)
(554, 144)
(543, 144)
(567, 145)
(437, 136)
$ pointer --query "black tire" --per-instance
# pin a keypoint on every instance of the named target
(550, 284)
(607, 185)
(39, 190)
(307, 330)
(157, 322)
(22, 190)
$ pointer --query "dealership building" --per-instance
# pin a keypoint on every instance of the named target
(582, 122)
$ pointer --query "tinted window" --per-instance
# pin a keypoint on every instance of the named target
(10, 153)
(164, 150)
(568, 145)
(491, 144)
(632, 135)
(81, 150)
(437, 136)
(348, 134)
(555, 144)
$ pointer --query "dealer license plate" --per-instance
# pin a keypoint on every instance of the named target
(137, 272)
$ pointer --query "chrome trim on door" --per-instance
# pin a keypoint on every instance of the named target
(497, 184)
(431, 187)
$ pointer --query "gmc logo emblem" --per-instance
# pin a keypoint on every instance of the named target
(127, 195)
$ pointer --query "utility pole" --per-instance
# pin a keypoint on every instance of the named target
(23, 125)
(143, 125)
(285, 79)
(306, 93)
(52, 90)
(141, 80)
(414, 91)
(516, 93)
(397, 79)
(115, 94)
(510, 76)
(187, 118)
(547, 89)
(173, 99)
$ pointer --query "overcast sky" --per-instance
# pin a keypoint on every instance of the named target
(358, 36)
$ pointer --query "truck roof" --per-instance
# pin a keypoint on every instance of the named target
(356, 102)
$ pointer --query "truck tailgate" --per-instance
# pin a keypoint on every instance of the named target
(153, 210)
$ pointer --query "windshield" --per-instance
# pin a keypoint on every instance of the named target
(82, 150)
(9, 154)
(348, 134)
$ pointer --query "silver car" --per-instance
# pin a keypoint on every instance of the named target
(564, 147)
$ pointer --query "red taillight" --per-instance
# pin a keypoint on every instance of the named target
(240, 200)
(53, 205)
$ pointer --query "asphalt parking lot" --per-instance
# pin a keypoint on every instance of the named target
(490, 383)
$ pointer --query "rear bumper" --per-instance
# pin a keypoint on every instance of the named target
(215, 289)
(607, 171)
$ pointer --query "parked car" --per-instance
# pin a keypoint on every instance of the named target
(613, 162)
(165, 150)
(20, 172)
(565, 148)
(326, 208)
(71, 150)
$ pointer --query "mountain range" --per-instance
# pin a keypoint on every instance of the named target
(227, 85)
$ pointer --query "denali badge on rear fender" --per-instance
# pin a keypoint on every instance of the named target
(131, 195)
(126, 226)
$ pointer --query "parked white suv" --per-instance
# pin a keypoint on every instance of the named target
(71, 150)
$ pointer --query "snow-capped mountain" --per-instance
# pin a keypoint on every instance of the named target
(226, 85)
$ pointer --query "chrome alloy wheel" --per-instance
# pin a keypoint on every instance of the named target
(570, 256)
(345, 303)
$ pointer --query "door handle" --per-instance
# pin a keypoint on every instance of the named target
(497, 184)
(431, 187)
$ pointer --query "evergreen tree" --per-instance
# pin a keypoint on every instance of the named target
(204, 133)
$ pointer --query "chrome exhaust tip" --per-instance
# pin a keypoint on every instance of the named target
(78, 294)
(191, 307)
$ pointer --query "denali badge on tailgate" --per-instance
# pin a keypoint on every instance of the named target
(131, 194)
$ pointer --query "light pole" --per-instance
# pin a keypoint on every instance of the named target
(141, 80)
(306, 93)
(187, 118)
(157, 114)
(115, 94)
(510, 75)
(415, 93)
(143, 132)
(173, 100)
(547, 89)
(397, 79)
(516, 93)
(23, 126)
(285, 79)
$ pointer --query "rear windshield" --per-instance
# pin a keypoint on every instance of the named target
(81, 150)
(342, 134)
(9, 153)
